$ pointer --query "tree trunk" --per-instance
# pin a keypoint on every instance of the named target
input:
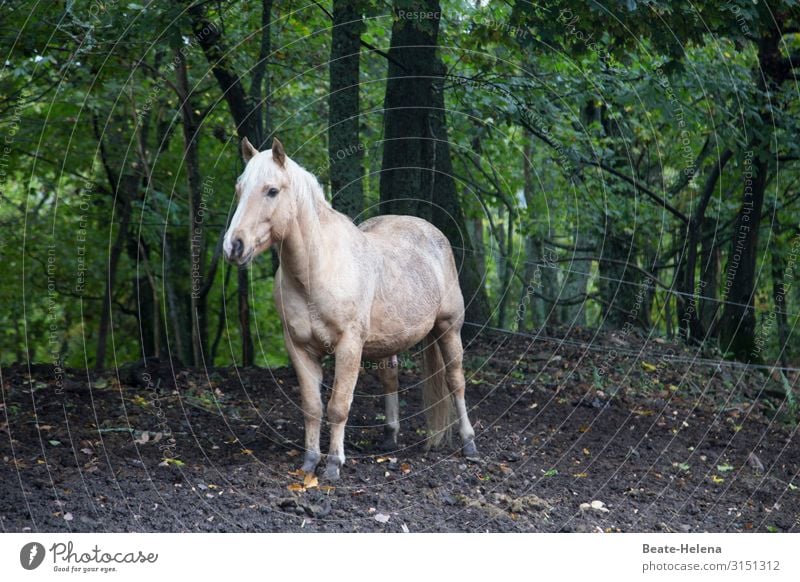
(244, 317)
(709, 276)
(576, 282)
(345, 150)
(505, 269)
(111, 273)
(197, 238)
(407, 147)
(417, 172)
(174, 313)
(738, 322)
(778, 269)
(620, 283)
(448, 215)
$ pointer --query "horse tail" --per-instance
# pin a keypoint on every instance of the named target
(440, 412)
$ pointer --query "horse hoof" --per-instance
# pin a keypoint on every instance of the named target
(388, 446)
(332, 473)
(310, 462)
(471, 451)
(389, 440)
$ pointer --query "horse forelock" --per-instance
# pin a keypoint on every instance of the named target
(262, 170)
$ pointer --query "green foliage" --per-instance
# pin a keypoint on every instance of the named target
(590, 94)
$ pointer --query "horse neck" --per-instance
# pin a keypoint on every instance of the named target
(302, 252)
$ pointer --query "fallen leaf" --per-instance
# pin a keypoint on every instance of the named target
(298, 487)
(648, 367)
(144, 438)
(247, 452)
(139, 401)
(54, 443)
(405, 468)
(580, 475)
(68, 517)
(381, 518)
(717, 479)
(310, 481)
(171, 461)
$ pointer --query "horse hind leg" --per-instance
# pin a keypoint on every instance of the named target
(388, 376)
(453, 353)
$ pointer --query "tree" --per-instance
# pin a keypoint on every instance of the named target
(417, 173)
(345, 150)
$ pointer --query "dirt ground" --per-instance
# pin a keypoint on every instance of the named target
(576, 434)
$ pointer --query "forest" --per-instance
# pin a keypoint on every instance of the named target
(585, 162)
(614, 177)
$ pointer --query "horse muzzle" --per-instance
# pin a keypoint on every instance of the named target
(234, 251)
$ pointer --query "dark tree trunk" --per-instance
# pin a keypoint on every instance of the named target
(417, 172)
(345, 151)
(710, 269)
(174, 313)
(692, 328)
(778, 269)
(505, 267)
(127, 182)
(620, 280)
(738, 321)
(407, 144)
(197, 238)
(244, 318)
(448, 215)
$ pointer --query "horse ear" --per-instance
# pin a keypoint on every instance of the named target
(248, 151)
(278, 155)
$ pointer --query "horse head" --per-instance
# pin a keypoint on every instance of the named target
(267, 203)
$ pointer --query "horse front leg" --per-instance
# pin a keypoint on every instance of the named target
(309, 374)
(348, 362)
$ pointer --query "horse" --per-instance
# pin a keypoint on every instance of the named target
(354, 292)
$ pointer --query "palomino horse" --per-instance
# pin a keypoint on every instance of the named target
(354, 292)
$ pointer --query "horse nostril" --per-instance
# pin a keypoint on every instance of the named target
(238, 248)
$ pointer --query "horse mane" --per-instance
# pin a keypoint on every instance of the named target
(306, 185)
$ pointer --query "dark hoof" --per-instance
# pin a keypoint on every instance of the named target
(471, 451)
(389, 439)
(388, 446)
(331, 472)
(310, 462)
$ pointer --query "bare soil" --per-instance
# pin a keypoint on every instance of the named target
(656, 442)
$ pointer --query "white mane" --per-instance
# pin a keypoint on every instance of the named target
(306, 185)
(262, 170)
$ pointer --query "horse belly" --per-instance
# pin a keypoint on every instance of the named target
(396, 328)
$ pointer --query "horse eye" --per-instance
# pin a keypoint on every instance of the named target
(272, 192)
